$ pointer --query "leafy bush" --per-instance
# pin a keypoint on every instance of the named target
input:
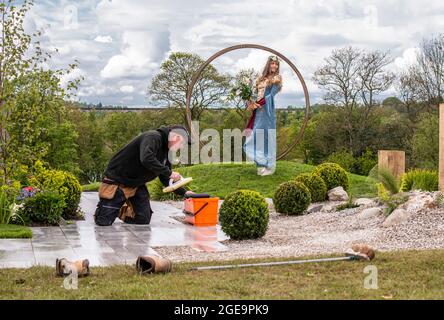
(333, 175)
(292, 198)
(155, 189)
(366, 162)
(391, 201)
(62, 182)
(244, 215)
(343, 158)
(425, 180)
(11, 190)
(316, 185)
(45, 207)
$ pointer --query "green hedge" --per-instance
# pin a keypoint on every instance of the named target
(333, 175)
(315, 184)
(292, 198)
(244, 215)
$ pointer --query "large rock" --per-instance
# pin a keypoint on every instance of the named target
(397, 217)
(369, 213)
(364, 202)
(337, 194)
(313, 208)
(419, 201)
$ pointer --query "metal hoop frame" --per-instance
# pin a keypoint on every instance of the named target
(260, 47)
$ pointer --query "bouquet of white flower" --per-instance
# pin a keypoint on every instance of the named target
(243, 90)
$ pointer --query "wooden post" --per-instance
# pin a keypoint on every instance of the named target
(441, 147)
(394, 161)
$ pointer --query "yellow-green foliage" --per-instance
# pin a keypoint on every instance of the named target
(11, 190)
(383, 194)
(65, 183)
(418, 179)
(244, 215)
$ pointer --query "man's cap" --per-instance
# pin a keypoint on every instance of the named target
(181, 130)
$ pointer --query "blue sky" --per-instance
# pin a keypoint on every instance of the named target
(120, 44)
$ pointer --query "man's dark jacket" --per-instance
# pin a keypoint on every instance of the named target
(142, 160)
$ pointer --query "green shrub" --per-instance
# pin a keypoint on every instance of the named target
(366, 162)
(333, 175)
(343, 158)
(11, 190)
(62, 182)
(316, 185)
(244, 215)
(45, 207)
(419, 179)
(292, 198)
(155, 189)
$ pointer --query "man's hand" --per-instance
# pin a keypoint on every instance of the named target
(175, 176)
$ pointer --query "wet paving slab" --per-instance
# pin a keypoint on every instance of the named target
(105, 246)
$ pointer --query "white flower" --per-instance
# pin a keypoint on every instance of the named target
(16, 208)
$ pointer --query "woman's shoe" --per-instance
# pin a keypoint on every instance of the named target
(260, 171)
(267, 172)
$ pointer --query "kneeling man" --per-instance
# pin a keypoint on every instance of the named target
(123, 192)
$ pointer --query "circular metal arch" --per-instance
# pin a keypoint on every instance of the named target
(260, 47)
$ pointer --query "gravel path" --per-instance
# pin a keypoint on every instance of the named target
(324, 233)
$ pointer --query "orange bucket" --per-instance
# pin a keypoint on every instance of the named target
(202, 211)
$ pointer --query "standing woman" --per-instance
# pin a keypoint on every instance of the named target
(260, 143)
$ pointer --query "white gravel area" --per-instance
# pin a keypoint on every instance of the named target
(324, 233)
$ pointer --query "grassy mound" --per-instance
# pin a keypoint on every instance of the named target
(222, 179)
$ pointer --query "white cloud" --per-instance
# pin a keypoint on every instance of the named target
(408, 58)
(139, 34)
(127, 89)
(138, 57)
(104, 39)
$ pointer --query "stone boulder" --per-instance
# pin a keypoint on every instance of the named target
(364, 202)
(337, 194)
(370, 213)
(397, 217)
(419, 201)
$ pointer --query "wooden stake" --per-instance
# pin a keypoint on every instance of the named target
(441, 147)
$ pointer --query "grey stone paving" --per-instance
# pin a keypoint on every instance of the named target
(103, 246)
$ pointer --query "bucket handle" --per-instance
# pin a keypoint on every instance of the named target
(201, 208)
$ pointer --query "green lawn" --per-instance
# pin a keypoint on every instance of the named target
(11, 231)
(401, 275)
(221, 179)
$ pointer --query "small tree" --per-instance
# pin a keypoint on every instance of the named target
(31, 98)
(171, 84)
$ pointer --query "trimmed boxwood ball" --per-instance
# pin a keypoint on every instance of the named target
(292, 198)
(244, 215)
(316, 185)
(333, 175)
